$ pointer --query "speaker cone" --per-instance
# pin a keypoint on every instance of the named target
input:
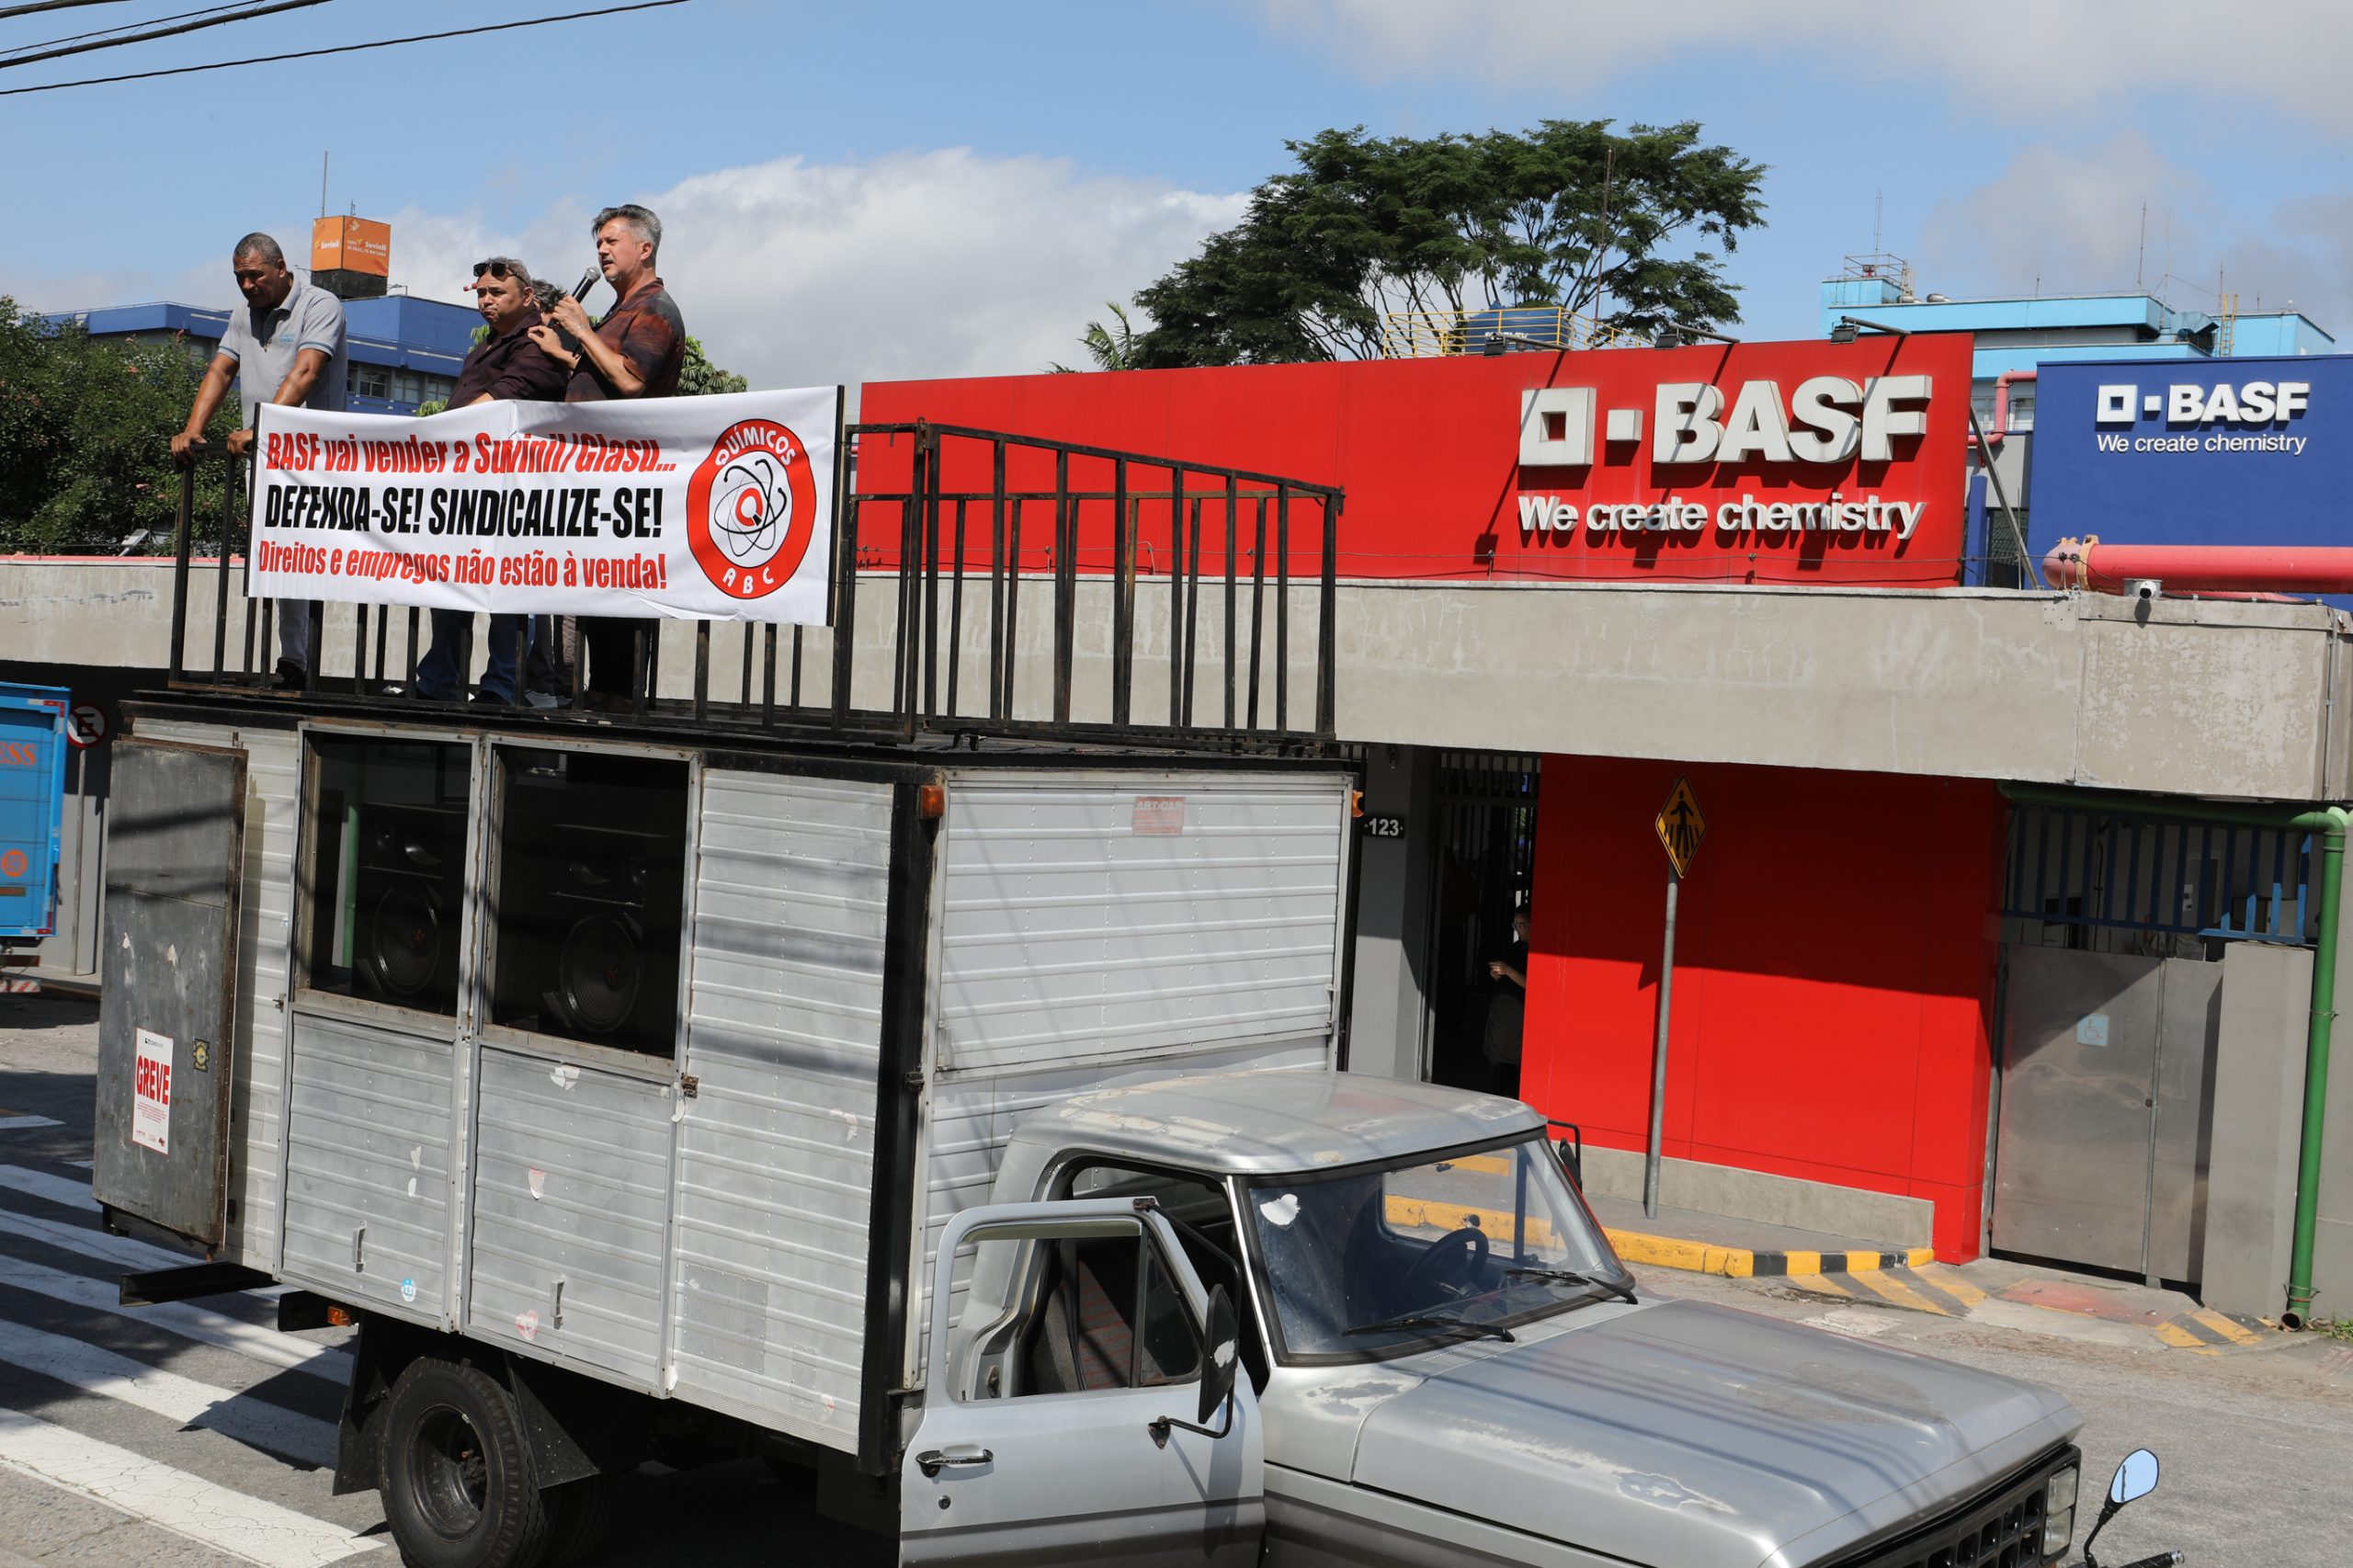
(404, 939)
(599, 974)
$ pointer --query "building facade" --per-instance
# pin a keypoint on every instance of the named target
(405, 351)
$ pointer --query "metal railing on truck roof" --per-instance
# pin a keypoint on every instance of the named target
(1123, 543)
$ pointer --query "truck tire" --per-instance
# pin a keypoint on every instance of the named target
(458, 1487)
(581, 1515)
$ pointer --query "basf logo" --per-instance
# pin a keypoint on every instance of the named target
(2226, 452)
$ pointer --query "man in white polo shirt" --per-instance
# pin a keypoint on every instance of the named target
(285, 348)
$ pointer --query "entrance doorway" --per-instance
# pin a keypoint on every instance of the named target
(1486, 859)
(2114, 930)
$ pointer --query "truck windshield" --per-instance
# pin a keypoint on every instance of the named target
(1376, 1261)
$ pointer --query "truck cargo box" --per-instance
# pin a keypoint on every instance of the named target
(32, 796)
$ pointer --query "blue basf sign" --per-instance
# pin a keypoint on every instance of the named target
(2194, 451)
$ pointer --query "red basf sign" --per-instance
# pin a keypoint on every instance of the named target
(1780, 462)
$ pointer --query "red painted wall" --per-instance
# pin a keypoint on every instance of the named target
(1428, 453)
(1835, 965)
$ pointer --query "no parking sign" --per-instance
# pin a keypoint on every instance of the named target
(87, 726)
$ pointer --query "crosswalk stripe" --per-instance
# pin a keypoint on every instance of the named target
(96, 1369)
(69, 1193)
(26, 1123)
(128, 1252)
(199, 1323)
(188, 1506)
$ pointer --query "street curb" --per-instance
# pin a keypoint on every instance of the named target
(1748, 1263)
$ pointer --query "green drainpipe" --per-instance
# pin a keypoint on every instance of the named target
(2330, 822)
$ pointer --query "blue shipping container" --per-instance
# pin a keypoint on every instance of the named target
(32, 806)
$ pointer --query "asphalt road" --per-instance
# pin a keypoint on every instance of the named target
(197, 1437)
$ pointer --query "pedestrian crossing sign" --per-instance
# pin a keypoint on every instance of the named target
(1680, 827)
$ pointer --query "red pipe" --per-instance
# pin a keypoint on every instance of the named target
(2211, 569)
(2002, 404)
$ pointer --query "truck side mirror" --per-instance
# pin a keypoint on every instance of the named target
(1221, 1358)
(1221, 1346)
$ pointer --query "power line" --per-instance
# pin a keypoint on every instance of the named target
(339, 49)
(245, 15)
(51, 6)
(106, 32)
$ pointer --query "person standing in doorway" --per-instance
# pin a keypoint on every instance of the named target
(285, 348)
(1508, 1009)
(636, 351)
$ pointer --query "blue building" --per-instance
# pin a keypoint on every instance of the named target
(405, 351)
(2015, 338)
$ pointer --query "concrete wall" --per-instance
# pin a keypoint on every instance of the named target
(2225, 701)
(1393, 877)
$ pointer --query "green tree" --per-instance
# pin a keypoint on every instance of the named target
(1110, 350)
(84, 427)
(699, 376)
(1571, 213)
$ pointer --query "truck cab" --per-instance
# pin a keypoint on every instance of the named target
(1411, 1343)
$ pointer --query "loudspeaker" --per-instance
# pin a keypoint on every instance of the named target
(612, 896)
(408, 890)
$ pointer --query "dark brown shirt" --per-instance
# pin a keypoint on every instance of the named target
(648, 332)
(506, 364)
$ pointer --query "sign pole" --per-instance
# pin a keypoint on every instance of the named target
(1658, 1054)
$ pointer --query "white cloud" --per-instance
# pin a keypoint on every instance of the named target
(942, 263)
(2047, 60)
(2061, 220)
(921, 264)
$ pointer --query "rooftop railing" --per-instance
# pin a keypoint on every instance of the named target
(984, 584)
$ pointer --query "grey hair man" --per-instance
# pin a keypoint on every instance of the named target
(286, 348)
(637, 350)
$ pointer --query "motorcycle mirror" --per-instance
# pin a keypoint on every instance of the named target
(2135, 1478)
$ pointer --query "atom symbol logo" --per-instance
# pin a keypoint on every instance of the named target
(752, 505)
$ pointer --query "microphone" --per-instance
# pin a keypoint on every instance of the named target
(579, 291)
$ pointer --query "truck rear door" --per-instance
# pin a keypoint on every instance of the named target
(1073, 1413)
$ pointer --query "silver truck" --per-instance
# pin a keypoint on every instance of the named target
(941, 1096)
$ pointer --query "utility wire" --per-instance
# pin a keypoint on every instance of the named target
(50, 5)
(245, 15)
(339, 49)
(109, 32)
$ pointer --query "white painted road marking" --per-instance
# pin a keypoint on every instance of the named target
(67, 1192)
(26, 1123)
(250, 1340)
(121, 1250)
(188, 1506)
(95, 1370)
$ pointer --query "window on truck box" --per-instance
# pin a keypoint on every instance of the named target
(588, 904)
(387, 871)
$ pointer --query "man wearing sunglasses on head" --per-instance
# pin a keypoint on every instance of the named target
(285, 348)
(505, 363)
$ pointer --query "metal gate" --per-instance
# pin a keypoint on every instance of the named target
(2113, 934)
(1486, 863)
(175, 852)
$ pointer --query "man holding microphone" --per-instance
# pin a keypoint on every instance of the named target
(505, 363)
(636, 351)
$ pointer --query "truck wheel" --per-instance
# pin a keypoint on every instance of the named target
(459, 1491)
(581, 1515)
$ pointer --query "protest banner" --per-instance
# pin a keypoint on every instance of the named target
(718, 508)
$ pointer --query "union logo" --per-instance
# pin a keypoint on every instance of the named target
(752, 508)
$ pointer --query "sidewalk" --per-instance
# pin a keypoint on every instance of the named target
(1992, 1293)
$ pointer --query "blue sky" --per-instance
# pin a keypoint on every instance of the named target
(855, 192)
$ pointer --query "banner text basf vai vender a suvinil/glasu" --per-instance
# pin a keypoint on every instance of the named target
(718, 508)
